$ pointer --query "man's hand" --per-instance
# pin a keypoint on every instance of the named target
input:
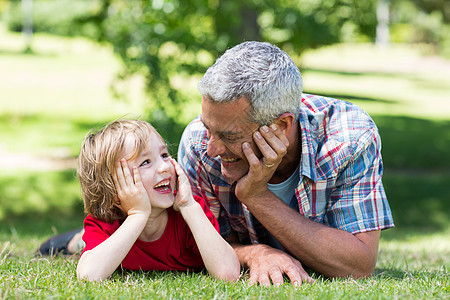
(273, 145)
(131, 193)
(267, 263)
(184, 196)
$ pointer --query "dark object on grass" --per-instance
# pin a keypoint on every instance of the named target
(58, 244)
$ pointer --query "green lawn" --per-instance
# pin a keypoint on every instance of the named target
(50, 99)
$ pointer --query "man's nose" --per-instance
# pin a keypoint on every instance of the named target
(215, 146)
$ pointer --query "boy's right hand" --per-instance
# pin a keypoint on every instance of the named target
(132, 195)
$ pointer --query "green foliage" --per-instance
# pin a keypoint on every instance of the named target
(422, 21)
(61, 17)
(38, 192)
(173, 42)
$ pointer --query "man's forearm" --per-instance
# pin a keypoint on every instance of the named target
(329, 251)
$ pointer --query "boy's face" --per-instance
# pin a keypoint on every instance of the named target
(157, 172)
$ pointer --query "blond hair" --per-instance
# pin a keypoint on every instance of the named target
(96, 164)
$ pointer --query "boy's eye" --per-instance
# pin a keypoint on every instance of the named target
(165, 155)
(145, 162)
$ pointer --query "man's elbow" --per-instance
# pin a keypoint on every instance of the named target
(363, 270)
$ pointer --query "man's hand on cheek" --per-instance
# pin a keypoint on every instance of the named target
(273, 144)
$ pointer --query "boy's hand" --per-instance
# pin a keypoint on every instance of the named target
(133, 197)
(184, 196)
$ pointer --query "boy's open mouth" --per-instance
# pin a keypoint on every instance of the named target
(162, 186)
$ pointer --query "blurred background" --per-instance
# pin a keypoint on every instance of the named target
(67, 66)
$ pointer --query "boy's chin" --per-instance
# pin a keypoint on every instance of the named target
(163, 202)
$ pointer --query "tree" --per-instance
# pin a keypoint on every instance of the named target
(168, 41)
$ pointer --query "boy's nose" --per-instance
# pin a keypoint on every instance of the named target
(164, 166)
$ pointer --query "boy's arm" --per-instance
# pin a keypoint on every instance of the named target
(218, 256)
(100, 262)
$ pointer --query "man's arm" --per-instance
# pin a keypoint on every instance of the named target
(330, 251)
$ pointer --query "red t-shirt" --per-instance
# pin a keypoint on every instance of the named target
(175, 250)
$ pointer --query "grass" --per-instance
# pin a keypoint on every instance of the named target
(44, 277)
(51, 98)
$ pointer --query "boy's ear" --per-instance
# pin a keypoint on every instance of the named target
(285, 122)
(117, 202)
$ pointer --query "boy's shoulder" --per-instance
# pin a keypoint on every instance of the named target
(105, 226)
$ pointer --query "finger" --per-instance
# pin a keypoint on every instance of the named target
(275, 138)
(137, 176)
(276, 276)
(303, 274)
(280, 134)
(177, 166)
(119, 179)
(269, 154)
(253, 279)
(126, 172)
(294, 276)
(252, 159)
(298, 275)
(264, 279)
(307, 278)
(173, 161)
(181, 175)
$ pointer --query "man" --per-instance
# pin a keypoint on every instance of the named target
(293, 179)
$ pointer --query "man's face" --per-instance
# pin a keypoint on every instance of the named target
(228, 126)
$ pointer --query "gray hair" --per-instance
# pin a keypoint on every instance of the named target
(262, 73)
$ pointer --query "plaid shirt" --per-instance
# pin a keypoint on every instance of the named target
(340, 172)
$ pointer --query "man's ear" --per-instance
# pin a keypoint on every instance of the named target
(286, 123)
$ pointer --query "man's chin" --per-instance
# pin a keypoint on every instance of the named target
(233, 175)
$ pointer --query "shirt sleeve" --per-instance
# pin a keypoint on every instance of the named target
(208, 213)
(358, 202)
(96, 232)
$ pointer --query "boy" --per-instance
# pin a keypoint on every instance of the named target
(135, 219)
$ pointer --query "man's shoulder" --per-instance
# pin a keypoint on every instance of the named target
(335, 131)
(334, 117)
(194, 137)
(195, 131)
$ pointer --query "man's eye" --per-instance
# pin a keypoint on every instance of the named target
(231, 139)
(145, 162)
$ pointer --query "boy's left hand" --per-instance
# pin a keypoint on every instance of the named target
(184, 196)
